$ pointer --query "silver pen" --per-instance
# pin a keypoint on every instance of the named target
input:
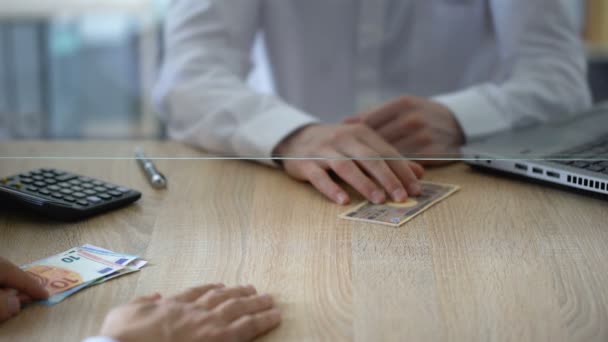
(156, 179)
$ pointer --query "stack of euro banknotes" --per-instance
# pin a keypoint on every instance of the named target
(79, 268)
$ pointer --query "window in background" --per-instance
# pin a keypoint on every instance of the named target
(596, 33)
(79, 68)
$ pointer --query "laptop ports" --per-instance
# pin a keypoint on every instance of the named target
(521, 167)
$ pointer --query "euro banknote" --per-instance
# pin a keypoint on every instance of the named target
(81, 267)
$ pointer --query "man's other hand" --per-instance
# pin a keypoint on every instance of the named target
(418, 128)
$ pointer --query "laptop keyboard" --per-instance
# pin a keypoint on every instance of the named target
(591, 157)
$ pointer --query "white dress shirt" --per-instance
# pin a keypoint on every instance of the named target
(497, 64)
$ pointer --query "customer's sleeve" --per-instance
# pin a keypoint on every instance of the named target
(202, 91)
(546, 77)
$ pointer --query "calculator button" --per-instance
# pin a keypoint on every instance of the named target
(36, 172)
(38, 177)
(96, 182)
(50, 181)
(54, 188)
(77, 188)
(46, 170)
(26, 175)
(84, 179)
(83, 202)
(44, 192)
(87, 185)
(79, 195)
(89, 192)
(48, 175)
(75, 182)
(64, 185)
(57, 195)
(99, 189)
(65, 177)
(115, 193)
(26, 180)
(40, 184)
(123, 190)
(94, 199)
(105, 196)
(66, 191)
(32, 188)
(69, 199)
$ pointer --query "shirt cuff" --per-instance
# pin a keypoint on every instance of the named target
(477, 115)
(259, 137)
(100, 339)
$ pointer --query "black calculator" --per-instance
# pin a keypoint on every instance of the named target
(63, 195)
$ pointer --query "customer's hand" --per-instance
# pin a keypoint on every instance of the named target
(418, 128)
(16, 288)
(357, 155)
(205, 313)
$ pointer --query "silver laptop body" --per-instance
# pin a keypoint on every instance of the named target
(572, 152)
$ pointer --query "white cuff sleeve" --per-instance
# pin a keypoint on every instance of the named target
(477, 114)
(99, 339)
(258, 137)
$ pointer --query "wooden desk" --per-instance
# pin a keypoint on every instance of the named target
(502, 260)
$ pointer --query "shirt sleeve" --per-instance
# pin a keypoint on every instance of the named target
(202, 90)
(547, 77)
(100, 339)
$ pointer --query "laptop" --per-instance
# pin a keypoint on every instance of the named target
(571, 152)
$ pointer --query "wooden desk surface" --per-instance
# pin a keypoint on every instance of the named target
(502, 260)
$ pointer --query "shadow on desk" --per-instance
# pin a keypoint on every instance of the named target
(13, 212)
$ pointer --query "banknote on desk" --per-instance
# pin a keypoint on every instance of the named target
(78, 268)
(396, 214)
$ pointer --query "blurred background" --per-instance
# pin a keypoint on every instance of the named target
(80, 69)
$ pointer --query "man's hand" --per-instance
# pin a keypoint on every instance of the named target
(417, 127)
(356, 154)
(207, 313)
(16, 288)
